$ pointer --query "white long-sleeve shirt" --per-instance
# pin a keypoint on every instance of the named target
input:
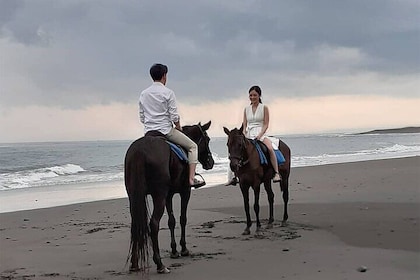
(157, 108)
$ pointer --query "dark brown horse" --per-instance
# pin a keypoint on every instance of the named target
(152, 168)
(245, 163)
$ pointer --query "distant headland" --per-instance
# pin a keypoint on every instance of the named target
(410, 129)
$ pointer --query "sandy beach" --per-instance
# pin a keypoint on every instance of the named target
(346, 221)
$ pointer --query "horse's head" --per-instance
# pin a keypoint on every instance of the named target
(236, 147)
(198, 134)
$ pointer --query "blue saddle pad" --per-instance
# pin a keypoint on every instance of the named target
(263, 159)
(280, 157)
(178, 151)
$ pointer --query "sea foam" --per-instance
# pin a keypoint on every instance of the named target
(34, 177)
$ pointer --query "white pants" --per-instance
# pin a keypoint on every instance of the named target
(180, 138)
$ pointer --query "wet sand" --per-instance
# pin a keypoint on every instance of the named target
(346, 221)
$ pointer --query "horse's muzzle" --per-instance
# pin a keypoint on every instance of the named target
(235, 165)
(208, 164)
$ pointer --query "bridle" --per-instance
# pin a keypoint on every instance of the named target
(204, 137)
(243, 157)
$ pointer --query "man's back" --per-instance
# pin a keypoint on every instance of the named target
(157, 107)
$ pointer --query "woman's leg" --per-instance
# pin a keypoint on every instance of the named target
(273, 159)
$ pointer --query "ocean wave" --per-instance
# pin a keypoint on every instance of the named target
(390, 150)
(394, 151)
(68, 174)
(397, 148)
(35, 177)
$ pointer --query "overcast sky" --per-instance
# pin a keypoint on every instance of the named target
(72, 70)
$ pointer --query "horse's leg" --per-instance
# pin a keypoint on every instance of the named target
(171, 225)
(285, 173)
(185, 198)
(270, 196)
(245, 195)
(257, 207)
(158, 209)
(285, 188)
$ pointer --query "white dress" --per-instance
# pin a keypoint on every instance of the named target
(255, 122)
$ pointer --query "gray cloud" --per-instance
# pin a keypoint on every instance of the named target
(76, 53)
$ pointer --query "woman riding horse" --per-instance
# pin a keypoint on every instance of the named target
(246, 164)
(255, 123)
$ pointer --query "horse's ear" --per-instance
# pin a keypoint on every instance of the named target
(206, 126)
(242, 128)
(226, 131)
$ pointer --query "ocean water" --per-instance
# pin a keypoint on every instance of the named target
(62, 167)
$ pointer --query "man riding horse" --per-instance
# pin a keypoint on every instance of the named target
(158, 112)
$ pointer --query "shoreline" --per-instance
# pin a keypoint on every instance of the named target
(60, 195)
(341, 217)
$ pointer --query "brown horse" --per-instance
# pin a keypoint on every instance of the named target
(245, 163)
(152, 168)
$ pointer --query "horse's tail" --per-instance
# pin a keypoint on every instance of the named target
(135, 181)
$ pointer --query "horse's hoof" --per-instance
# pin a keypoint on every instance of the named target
(246, 232)
(163, 270)
(134, 269)
(269, 226)
(174, 255)
(185, 253)
(283, 223)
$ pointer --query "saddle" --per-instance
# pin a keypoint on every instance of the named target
(180, 152)
(264, 154)
(262, 150)
(177, 149)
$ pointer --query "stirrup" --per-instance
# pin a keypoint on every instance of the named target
(278, 180)
(197, 182)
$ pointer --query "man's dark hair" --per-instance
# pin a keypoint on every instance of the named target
(157, 71)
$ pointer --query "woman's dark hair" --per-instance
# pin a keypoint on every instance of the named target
(258, 90)
(157, 71)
